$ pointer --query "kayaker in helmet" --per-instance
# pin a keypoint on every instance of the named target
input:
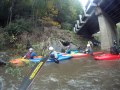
(68, 50)
(89, 49)
(114, 49)
(91, 44)
(53, 55)
(80, 49)
(30, 54)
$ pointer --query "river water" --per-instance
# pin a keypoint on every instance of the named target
(73, 74)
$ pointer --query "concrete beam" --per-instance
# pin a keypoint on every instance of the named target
(86, 15)
(78, 24)
(81, 21)
(90, 7)
(107, 29)
(74, 30)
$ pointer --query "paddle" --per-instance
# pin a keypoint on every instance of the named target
(31, 76)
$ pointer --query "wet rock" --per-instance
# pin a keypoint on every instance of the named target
(57, 45)
(60, 47)
(65, 43)
(3, 57)
(73, 47)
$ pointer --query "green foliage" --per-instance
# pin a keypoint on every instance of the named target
(2, 39)
(47, 21)
(68, 10)
(39, 8)
(59, 10)
(66, 26)
(16, 16)
(22, 8)
(4, 11)
(18, 27)
(14, 30)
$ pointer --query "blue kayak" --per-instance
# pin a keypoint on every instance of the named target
(60, 58)
(36, 60)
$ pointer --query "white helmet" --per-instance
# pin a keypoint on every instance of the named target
(51, 48)
(30, 49)
(88, 45)
(68, 46)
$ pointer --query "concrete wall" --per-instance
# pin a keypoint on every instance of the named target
(107, 29)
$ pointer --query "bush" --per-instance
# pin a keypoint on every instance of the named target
(13, 30)
(2, 39)
(47, 21)
(66, 25)
(18, 27)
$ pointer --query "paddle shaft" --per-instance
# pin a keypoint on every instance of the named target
(31, 76)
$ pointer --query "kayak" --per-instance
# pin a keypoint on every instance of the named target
(18, 61)
(74, 51)
(107, 57)
(77, 55)
(21, 61)
(60, 58)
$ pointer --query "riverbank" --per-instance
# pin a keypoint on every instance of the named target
(41, 39)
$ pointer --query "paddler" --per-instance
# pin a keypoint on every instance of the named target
(30, 54)
(89, 49)
(53, 55)
(68, 50)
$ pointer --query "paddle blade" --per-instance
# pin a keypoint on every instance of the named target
(30, 77)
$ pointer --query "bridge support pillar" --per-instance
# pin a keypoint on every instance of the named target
(107, 28)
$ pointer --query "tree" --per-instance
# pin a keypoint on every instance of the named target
(4, 11)
(68, 10)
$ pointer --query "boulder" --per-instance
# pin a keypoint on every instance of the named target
(3, 57)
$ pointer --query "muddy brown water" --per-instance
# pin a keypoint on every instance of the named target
(74, 74)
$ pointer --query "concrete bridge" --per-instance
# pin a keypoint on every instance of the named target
(100, 16)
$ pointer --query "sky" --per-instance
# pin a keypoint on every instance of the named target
(83, 2)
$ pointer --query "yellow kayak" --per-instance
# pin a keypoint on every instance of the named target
(21, 61)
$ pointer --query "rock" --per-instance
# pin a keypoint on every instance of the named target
(73, 47)
(3, 57)
(65, 43)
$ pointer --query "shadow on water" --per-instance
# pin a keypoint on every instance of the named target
(74, 74)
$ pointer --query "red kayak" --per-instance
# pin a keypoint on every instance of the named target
(107, 57)
(77, 55)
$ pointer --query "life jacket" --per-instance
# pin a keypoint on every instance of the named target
(28, 55)
(53, 54)
(32, 55)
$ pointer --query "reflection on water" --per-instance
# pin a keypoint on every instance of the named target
(76, 74)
